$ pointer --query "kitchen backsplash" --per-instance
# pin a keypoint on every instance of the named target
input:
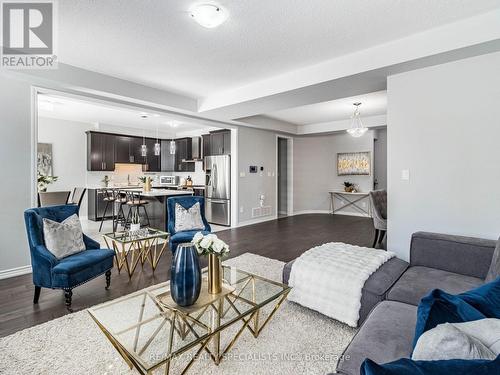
(122, 171)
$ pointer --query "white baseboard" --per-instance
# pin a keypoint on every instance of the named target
(18, 271)
(255, 221)
(305, 212)
(352, 214)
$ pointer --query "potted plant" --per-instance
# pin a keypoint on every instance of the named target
(43, 181)
(349, 187)
(215, 248)
(146, 183)
(106, 180)
(135, 222)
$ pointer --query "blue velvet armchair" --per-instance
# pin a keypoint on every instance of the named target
(186, 236)
(69, 272)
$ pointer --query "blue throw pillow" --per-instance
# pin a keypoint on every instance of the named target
(485, 298)
(440, 307)
(406, 366)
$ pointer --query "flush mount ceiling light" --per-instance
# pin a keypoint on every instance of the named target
(357, 128)
(208, 15)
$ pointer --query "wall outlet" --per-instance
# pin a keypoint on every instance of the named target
(241, 209)
(242, 174)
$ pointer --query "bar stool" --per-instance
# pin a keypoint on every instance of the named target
(120, 201)
(134, 202)
(109, 198)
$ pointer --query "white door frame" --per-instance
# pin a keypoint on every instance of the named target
(289, 181)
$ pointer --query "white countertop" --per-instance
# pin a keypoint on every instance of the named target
(153, 193)
(162, 192)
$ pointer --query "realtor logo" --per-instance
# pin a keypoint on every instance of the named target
(28, 35)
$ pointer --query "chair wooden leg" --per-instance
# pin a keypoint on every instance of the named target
(38, 289)
(68, 293)
(381, 237)
(108, 279)
(376, 238)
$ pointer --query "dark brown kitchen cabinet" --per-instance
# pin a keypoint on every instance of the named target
(183, 152)
(206, 144)
(220, 142)
(123, 149)
(100, 152)
(152, 162)
(167, 159)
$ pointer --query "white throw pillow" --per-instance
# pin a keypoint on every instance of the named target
(65, 238)
(479, 339)
(189, 219)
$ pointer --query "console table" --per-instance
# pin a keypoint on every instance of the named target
(353, 200)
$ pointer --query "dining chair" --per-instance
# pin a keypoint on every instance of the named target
(77, 196)
(52, 198)
(378, 202)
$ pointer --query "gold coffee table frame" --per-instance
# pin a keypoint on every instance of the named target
(131, 249)
(241, 301)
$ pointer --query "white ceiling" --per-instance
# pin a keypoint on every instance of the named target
(70, 109)
(373, 104)
(157, 44)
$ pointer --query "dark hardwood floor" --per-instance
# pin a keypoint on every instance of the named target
(283, 239)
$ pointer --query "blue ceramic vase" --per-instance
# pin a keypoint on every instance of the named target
(185, 277)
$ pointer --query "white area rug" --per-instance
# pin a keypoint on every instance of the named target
(296, 341)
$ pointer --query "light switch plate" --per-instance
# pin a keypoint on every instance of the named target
(405, 175)
(242, 174)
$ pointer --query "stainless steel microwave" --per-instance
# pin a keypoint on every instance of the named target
(169, 180)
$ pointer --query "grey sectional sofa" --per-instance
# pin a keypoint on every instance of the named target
(391, 295)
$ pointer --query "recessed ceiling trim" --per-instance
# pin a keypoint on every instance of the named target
(456, 35)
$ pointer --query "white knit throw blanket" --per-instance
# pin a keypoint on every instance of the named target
(329, 278)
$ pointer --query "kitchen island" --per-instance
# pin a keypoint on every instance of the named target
(156, 198)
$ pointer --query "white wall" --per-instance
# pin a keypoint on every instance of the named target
(69, 153)
(380, 158)
(444, 127)
(256, 147)
(315, 170)
(15, 156)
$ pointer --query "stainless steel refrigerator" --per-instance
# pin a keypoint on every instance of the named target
(218, 189)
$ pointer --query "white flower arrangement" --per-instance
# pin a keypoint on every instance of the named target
(210, 244)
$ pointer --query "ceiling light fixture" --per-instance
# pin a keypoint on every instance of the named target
(157, 144)
(208, 15)
(357, 128)
(144, 148)
(172, 147)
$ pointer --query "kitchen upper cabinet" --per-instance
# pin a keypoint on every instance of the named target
(153, 162)
(183, 151)
(100, 152)
(123, 150)
(206, 144)
(167, 159)
(220, 142)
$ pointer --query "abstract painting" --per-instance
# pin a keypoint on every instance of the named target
(44, 159)
(353, 163)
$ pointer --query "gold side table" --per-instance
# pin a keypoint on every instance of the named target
(146, 245)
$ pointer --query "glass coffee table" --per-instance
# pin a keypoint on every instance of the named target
(146, 244)
(152, 333)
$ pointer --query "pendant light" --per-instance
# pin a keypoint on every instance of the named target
(144, 148)
(357, 128)
(172, 147)
(157, 144)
